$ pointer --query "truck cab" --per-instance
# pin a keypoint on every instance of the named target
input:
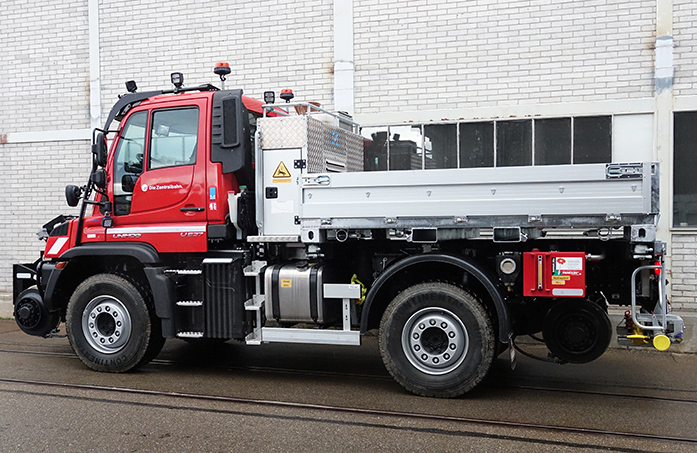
(168, 173)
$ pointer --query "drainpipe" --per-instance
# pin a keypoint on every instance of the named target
(663, 78)
(95, 88)
(344, 66)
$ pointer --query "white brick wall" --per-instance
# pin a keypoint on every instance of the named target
(33, 179)
(684, 272)
(44, 75)
(270, 45)
(685, 18)
(424, 54)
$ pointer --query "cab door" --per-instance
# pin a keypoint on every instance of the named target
(159, 179)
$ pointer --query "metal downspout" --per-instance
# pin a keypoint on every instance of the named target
(344, 66)
(95, 83)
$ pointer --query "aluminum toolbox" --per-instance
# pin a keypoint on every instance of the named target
(294, 293)
(325, 148)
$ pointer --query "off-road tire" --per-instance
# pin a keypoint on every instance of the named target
(436, 339)
(111, 324)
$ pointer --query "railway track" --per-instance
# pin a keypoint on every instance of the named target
(114, 393)
(381, 414)
(493, 382)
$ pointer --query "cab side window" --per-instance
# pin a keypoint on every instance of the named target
(173, 138)
(128, 161)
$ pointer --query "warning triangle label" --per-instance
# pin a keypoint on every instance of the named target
(281, 171)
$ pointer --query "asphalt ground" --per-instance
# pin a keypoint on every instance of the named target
(283, 397)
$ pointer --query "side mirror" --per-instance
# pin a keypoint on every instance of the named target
(98, 178)
(128, 183)
(72, 195)
(99, 149)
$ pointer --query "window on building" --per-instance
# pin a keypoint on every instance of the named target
(476, 144)
(684, 164)
(375, 148)
(513, 143)
(405, 149)
(553, 141)
(440, 142)
(592, 139)
(545, 141)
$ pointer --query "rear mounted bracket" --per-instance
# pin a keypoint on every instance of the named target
(509, 234)
(643, 233)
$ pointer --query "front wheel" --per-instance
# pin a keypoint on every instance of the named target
(436, 339)
(111, 324)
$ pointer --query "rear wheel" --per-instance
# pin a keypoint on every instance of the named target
(436, 339)
(111, 324)
(577, 330)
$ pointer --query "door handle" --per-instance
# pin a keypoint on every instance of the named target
(197, 209)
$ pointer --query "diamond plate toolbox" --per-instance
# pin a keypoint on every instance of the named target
(326, 148)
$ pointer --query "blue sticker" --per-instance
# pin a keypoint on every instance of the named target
(211, 192)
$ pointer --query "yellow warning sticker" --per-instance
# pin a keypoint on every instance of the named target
(281, 171)
(286, 283)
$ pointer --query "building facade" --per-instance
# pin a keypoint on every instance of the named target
(462, 83)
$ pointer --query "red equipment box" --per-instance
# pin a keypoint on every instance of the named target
(554, 274)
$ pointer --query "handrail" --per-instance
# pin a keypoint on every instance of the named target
(661, 293)
(310, 108)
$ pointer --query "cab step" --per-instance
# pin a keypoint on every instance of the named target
(190, 335)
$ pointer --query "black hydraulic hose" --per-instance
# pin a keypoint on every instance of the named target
(556, 360)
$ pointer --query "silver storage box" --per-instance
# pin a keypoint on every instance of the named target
(294, 293)
(325, 147)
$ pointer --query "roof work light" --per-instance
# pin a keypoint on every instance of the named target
(177, 80)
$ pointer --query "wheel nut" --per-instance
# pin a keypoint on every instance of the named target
(433, 322)
(453, 346)
(117, 333)
(92, 315)
(451, 334)
(424, 356)
(118, 323)
(446, 356)
(416, 336)
(106, 308)
(111, 340)
(435, 360)
(417, 347)
(444, 325)
(422, 326)
(101, 340)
